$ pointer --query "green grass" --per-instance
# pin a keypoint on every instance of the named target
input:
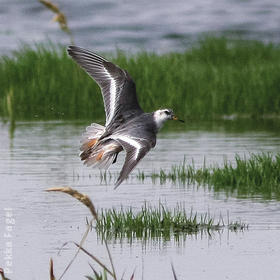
(215, 77)
(157, 222)
(98, 276)
(258, 175)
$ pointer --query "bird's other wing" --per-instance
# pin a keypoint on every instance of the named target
(136, 149)
(118, 89)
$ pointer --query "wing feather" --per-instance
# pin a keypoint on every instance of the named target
(136, 149)
(118, 89)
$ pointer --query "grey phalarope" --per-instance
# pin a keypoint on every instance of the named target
(127, 126)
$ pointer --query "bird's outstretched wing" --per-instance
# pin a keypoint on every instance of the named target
(136, 149)
(118, 89)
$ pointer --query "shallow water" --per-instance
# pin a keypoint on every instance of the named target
(45, 154)
(159, 26)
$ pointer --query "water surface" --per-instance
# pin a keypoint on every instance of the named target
(160, 26)
(45, 154)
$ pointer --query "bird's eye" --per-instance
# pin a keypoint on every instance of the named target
(167, 112)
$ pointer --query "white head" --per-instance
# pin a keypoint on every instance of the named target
(162, 115)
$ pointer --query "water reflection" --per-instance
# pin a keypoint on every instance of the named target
(12, 131)
(176, 238)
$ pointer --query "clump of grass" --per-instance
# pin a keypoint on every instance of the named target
(84, 199)
(216, 77)
(157, 222)
(257, 175)
(98, 276)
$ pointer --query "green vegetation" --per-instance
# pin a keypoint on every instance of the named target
(157, 222)
(258, 175)
(216, 77)
(98, 276)
(103, 231)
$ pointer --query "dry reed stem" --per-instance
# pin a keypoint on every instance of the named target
(79, 196)
(173, 271)
(132, 276)
(76, 254)
(110, 257)
(88, 203)
(52, 277)
(50, 6)
(3, 277)
(95, 259)
(59, 17)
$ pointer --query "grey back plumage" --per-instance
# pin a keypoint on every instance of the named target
(141, 126)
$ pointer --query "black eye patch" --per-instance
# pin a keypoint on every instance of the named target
(167, 112)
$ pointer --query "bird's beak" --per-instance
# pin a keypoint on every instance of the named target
(175, 118)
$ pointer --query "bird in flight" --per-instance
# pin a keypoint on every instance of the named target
(127, 126)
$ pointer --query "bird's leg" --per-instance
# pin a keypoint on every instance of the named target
(115, 159)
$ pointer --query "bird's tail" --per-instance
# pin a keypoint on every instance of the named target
(91, 137)
(94, 153)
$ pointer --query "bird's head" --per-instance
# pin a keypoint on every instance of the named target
(162, 115)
